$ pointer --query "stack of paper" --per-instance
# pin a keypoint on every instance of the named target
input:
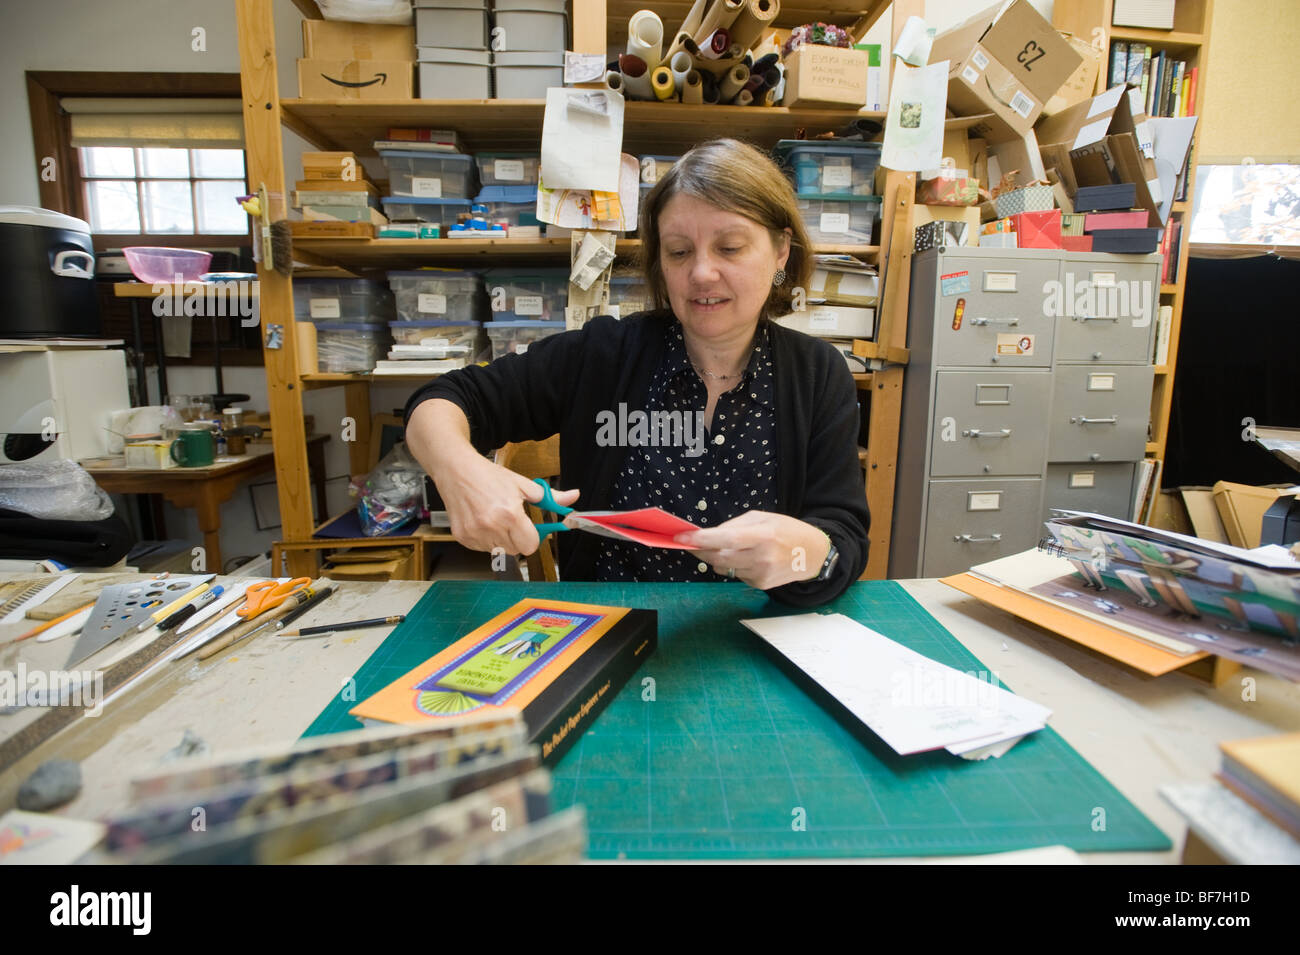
(910, 701)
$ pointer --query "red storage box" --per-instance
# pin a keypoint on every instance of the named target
(1136, 219)
(1038, 230)
(1076, 243)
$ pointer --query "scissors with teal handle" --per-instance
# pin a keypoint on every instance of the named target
(548, 503)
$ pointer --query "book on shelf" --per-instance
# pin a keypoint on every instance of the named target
(1191, 93)
(556, 663)
(1143, 80)
(1119, 55)
(1138, 54)
(1164, 324)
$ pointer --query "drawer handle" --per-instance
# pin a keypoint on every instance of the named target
(1097, 318)
(1113, 419)
(967, 539)
(977, 433)
(995, 321)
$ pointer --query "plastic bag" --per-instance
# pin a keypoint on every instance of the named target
(392, 494)
(54, 491)
(367, 11)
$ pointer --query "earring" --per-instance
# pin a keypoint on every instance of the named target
(779, 277)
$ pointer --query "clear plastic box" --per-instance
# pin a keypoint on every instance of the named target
(432, 333)
(527, 295)
(438, 294)
(839, 220)
(513, 205)
(442, 212)
(629, 294)
(342, 300)
(343, 347)
(829, 169)
(513, 338)
(507, 169)
(429, 175)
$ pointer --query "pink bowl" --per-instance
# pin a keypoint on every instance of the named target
(161, 265)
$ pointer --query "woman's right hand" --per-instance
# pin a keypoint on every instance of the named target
(485, 503)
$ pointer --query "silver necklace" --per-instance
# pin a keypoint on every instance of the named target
(709, 374)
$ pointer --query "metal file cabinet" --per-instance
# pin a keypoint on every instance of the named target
(1028, 388)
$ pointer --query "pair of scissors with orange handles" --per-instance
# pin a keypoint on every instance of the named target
(268, 595)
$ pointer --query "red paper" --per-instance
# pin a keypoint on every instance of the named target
(1038, 230)
(651, 526)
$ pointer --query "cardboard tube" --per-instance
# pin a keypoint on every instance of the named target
(681, 65)
(715, 68)
(636, 78)
(733, 83)
(661, 81)
(752, 20)
(692, 90)
(744, 98)
(769, 97)
(679, 44)
(694, 19)
(710, 87)
(614, 81)
(645, 37)
(720, 16)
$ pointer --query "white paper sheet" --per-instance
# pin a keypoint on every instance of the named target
(1171, 138)
(582, 139)
(910, 701)
(919, 98)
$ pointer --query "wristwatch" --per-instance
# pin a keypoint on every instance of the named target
(829, 564)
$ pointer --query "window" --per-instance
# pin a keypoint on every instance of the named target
(163, 191)
(1251, 204)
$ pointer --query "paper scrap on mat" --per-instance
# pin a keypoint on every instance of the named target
(582, 139)
(918, 99)
(910, 701)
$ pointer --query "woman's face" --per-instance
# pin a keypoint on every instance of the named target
(717, 266)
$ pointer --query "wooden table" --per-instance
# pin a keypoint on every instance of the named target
(206, 488)
(1140, 733)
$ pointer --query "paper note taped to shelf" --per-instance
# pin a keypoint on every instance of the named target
(582, 139)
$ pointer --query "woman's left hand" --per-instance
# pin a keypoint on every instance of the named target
(765, 550)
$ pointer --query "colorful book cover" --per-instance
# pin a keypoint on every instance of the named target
(1136, 54)
(556, 663)
(1191, 93)
(1119, 63)
(1145, 76)
(37, 838)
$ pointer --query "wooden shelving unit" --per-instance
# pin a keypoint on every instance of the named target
(1189, 40)
(505, 124)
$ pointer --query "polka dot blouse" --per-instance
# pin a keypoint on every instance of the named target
(706, 479)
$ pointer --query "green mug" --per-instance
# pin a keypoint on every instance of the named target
(194, 449)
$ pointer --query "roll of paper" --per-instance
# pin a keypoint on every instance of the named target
(661, 81)
(614, 81)
(645, 37)
(715, 68)
(679, 44)
(769, 97)
(744, 98)
(710, 87)
(721, 15)
(693, 89)
(636, 78)
(715, 45)
(753, 20)
(681, 66)
(733, 83)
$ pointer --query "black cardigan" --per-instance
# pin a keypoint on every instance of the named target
(562, 382)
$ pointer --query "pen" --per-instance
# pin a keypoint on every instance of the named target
(167, 610)
(190, 609)
(256, 623)
(354, 625)
(299, 611)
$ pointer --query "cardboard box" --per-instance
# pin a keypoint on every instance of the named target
(1072, 223)
(1010, 65)
(342, 40)
(332, 230)
(1038, 230)
(355, 79)
(844, 286)
(150, 455)
(1076, 243)
(1028, 199)
(825, 76)
(1204, 515)
(969, 215)
(999, 240)
(1115, 220)
(1081, 82)
(1241, 508)
(332, 165)
(832, 321)
(940, 234)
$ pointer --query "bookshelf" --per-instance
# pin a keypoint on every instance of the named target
(1188, 41)
(487, 124)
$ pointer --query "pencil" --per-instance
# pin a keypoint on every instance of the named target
(353, 625)
(49, 623)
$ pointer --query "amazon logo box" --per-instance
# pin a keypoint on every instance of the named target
(355, 79)
(1009, 65)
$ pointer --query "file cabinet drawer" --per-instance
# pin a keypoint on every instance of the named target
(990, 312)
(1098, 488)
(970, 522)
(989, 422)
(1105, 312)
(1099, 412)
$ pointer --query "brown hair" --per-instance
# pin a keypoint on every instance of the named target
(739, 178)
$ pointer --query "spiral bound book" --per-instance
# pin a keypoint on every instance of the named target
(556, 663)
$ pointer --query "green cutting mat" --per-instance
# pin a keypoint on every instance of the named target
(731, 756)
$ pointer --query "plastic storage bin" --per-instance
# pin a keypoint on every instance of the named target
(534, 294)
(839, 220)
(454, 74)
(427, 175)
(513, 338)
(513, 205)
(507, 169)
(629, 294)
(342, 300)
(438, 295)
(443, 212)
(344, 347)
(522, 74)
(829, 169)
(532, 25)
(432, 333)
(458, 24)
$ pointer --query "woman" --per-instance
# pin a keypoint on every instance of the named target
(772, 480)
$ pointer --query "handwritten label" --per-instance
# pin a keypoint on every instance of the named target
(324, 308)
(426, 187)
(431, 304)
(529, 305)
(834, 223)
(508, 170)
